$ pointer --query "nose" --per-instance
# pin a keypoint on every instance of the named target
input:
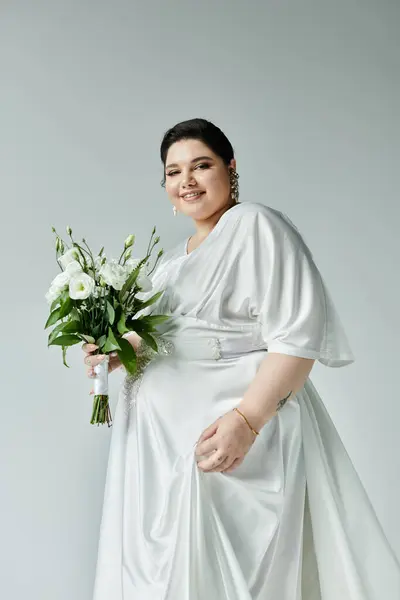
(188, 180)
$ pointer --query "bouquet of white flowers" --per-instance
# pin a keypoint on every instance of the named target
(95, 300)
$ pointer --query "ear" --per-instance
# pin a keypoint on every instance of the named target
(233, 163)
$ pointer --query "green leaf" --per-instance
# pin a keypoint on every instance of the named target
(54, 333)
(127, 356)
(88, 338)
(53, 318)
(158, 319)
(101, 341)
(150, 300)
(65, 327)
(68, 339)
(111, 313)
(152, 320)
(55, 303)
(97, 330)
(72, 327)
(66, 307)
(150, 341)
(130, 281)
(136, 325)
(75, 315)
(111, 343)
(121, 326)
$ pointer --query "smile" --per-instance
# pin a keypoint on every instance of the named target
(192, 195)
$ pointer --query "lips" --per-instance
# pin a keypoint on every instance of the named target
(197, 193)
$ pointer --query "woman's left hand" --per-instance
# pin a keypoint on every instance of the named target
(229, 439)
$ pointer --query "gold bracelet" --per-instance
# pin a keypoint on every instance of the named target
(242, 415)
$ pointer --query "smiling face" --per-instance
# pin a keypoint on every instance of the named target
(191, 167)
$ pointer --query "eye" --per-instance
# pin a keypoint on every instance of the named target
(171, 173)
(203, 166)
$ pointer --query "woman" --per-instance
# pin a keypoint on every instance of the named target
(226, 477)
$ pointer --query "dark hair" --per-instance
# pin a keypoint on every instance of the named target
(197, 129)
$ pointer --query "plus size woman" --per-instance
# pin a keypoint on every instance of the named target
(226, 477)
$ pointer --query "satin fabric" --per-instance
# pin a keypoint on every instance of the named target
(292, 521)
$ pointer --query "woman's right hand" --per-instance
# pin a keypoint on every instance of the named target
(91, 359)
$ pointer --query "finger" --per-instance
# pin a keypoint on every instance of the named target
(90, 372)
(89, 347)
(92, 361)
(213, 461)
(234, 465)
(222, 466)
(207, 433)
(206, 446)
(91, 392)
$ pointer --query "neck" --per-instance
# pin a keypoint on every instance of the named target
(204, 226)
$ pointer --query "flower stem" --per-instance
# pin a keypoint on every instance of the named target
(101, 411)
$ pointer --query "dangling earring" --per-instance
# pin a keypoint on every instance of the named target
(175, 211)
(233, 177)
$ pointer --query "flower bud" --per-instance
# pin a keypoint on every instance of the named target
(69, 230)
(129, 241)
(58, 245)
(128, 254)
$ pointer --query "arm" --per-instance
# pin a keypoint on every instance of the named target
(279, 378)
(134, 339)
(224, 444)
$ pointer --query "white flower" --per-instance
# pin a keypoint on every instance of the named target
(52, 294)
(61, 281)
(144, 281)
(58, 285)
(114, 274)
(81, 286)
(70, 255)
(73, 268)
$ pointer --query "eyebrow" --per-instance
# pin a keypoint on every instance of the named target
(192, 161)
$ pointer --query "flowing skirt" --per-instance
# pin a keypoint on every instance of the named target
(291, 522)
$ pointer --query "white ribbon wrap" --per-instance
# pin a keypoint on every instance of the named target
(101, 380)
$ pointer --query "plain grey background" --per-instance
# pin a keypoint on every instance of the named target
(308, 93)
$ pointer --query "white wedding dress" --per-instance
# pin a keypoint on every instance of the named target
(293, 520)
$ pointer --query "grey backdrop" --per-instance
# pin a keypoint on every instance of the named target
(308, 92)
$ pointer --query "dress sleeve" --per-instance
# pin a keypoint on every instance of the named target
(295, 310)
